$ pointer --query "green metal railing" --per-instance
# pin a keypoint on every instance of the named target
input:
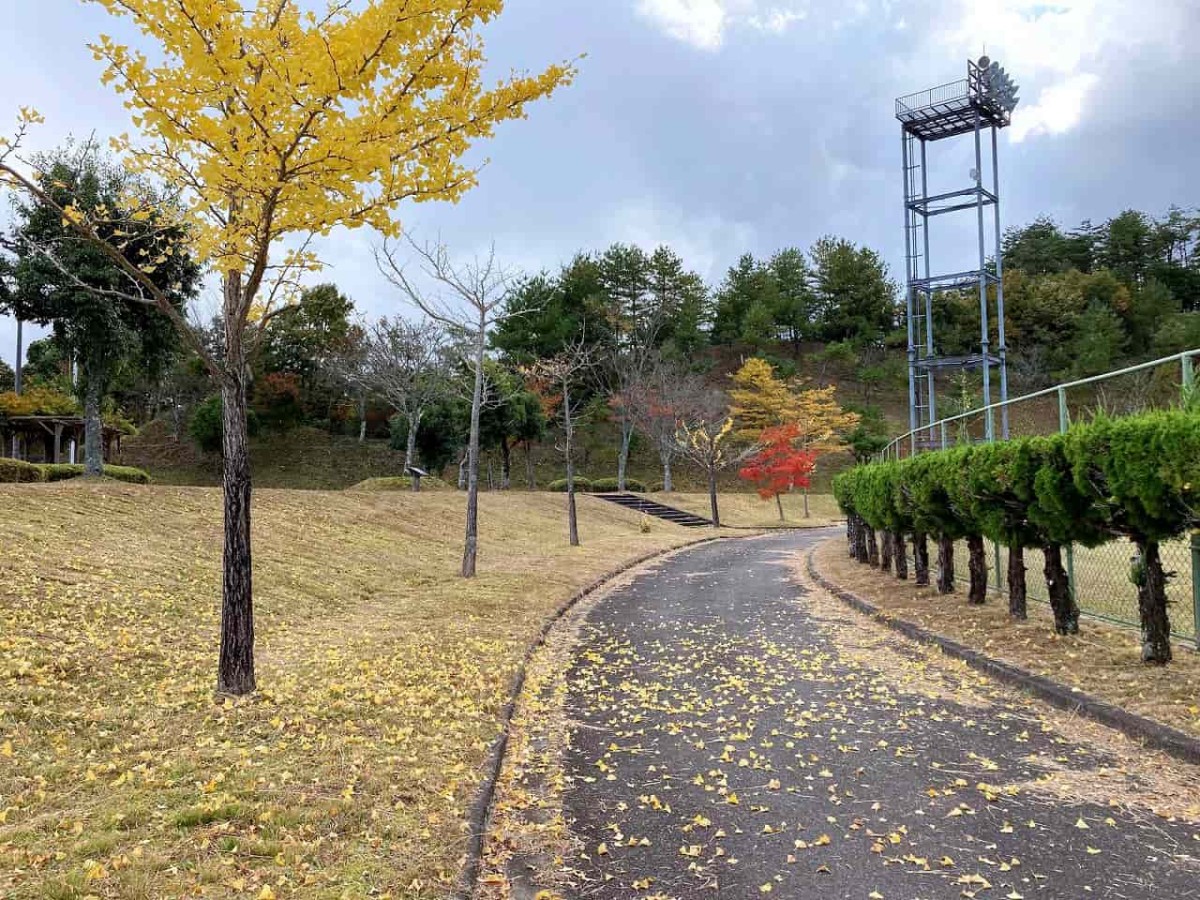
(1099, 577)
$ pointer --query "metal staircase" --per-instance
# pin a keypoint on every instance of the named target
(659, 510)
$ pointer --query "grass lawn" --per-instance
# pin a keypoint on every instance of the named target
(382, 676)
(1103, 659)
(749, 510)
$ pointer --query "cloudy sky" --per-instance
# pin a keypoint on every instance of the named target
(725, 126)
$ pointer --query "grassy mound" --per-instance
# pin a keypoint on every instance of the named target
(382, 678)
(401, 483)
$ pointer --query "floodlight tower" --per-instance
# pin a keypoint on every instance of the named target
(982, 102)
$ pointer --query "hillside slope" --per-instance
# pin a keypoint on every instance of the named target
(382, 676)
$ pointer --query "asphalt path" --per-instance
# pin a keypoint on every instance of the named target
(724, 744)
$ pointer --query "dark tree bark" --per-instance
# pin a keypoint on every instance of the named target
(235, 672)
(920, 545)
(860, 540)
(872, 546)
(885, 551)
(1058, 587)
(850, 535)
(712, 497)
(1017, 602)
(572, 519)
(623, 455)
(977, 567)
(806, 513)
(1151, 582)
(779, 505)
(93, 428)
(945, 583)
(505, 464)
(901, 556)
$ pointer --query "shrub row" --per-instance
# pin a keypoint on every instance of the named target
(596, 486)
(17, 471)
(1130, 478)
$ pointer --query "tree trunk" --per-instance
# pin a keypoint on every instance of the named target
(410, 451)
(712, 497)
(530, 476)
(779, 503)
(505, 464)
(1058, 587)
(977, 566)
(901, 555)
(920, 543)
(885, 551)
(850, 542)
(235, 672)
(471, 541)
(872, 546)
(623, 456)
(93, 425)
(666, 454)
(860, 540)
(362, 419)
(462, 471)
(568, 449)
(806, 513)
(1151, 582)
(1017, 604)
(945, 583)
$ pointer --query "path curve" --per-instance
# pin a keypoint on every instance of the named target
(731, 737)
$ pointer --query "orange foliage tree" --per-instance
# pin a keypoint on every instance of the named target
(779, 466)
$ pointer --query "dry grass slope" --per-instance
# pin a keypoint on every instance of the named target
(382, 679)
(748, 510)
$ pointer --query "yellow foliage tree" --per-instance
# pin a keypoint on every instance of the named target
(278, 124)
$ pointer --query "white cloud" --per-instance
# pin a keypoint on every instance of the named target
(704, 23)
(1059, 51)
(707, 243)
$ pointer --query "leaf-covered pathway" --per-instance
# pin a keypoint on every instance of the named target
(736, 735)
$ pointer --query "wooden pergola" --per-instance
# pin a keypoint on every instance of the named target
(42, 438)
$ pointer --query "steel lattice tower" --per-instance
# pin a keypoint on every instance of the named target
(982, 102)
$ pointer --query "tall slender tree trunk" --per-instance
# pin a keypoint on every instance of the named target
(462, 471)
(920, 544)
(471, 542)
(410, 450)
(530, 475)
(807, 515)
(872, 546)
(860, 540)
(93, 425)
(901, 555)
(505, 464)
(779, 503)
(712, 497)
(1017, 596)
(945, 583)
(665, 455)
(885, 551)
(1058, 587)
(977, 566)
(569, 450)
(1151, 583)
(235, 672)
(851, 519)
(362, 418)
(623, 456)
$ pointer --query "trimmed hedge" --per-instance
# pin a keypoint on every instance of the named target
(16, 471)
(67, 471)
(1130, 478)
(582, 485)
(609, 485)
(401, 483)
(19, 471)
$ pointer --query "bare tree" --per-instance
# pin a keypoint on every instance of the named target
(562, 373)
(469, 300)
(405, 363)
(657, 406)
(347, 366)
(705, 436)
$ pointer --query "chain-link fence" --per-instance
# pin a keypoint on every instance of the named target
(1099, 576)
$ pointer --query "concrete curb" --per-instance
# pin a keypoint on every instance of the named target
(1149, 732)
(480, 815)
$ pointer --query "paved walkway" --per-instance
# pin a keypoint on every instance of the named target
(727, 742)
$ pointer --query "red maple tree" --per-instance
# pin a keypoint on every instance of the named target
(779, 466)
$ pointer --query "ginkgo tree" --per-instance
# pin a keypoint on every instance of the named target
(278, 124)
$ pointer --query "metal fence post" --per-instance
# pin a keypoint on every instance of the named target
(1064, 422)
